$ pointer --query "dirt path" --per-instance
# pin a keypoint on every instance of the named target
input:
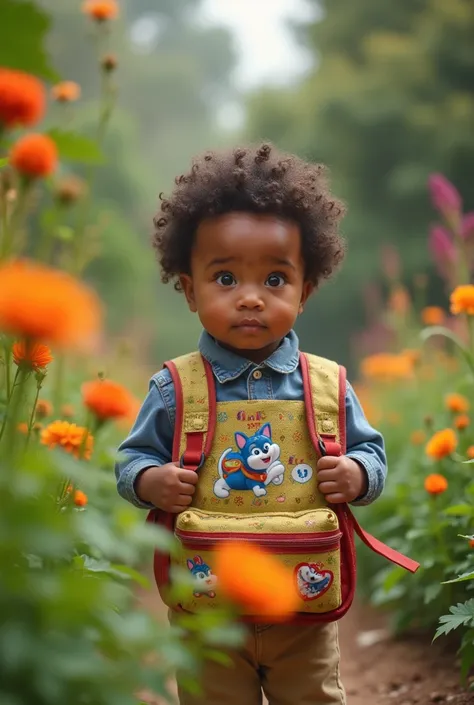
(378, 670)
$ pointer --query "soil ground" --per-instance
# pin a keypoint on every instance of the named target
(378, 669)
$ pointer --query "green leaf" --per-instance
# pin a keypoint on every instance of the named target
(24, 27)
(76, 148)
(3, 162)
(467, 654)
(461, 615)
(460, 578)
(432, 331)
(459, 510)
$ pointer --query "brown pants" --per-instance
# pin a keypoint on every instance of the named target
(292, 664)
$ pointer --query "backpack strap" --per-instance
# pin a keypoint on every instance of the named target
(325, 398)
(195, 409)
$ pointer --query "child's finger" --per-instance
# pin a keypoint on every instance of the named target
(188, 476)
(336, 498)
(326, 462)
(186, 488)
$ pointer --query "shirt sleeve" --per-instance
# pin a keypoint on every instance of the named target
(150, 442)
(365, 445)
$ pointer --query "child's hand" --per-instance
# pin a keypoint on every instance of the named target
(168, 487)
(341, 479)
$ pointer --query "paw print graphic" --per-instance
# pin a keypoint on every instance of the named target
(298, 500)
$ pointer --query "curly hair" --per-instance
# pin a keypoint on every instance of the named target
(257, 180)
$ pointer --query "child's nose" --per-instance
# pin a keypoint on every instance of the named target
(250, 298)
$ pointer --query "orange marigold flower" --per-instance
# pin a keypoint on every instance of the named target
(34, 156)
(433, 316)
(43, 408)
(22, 98)
(68, 411)
(107, 399)
(399, 301)
(101, 10)
(462, 300)
(418, 438)
(34, 356)
(470, 452)
(66, 91)
(80, 499)
(22, 427)
(471, 543)
(387, 366)
(442, 444)
(462, 421)
(40, 303)
(457, 403)
(69, 437)
(259, 575)
(436, 484)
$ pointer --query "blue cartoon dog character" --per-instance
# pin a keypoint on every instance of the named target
(254, 466)
(204, 579)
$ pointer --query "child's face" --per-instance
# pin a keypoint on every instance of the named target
(247, 281)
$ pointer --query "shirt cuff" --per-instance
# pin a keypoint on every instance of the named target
(127, 481)
(375, 478)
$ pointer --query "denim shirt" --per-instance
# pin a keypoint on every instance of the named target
(150, 441)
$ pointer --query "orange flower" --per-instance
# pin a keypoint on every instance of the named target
(470, 452)
(22, 427)
(462, 421)
(101, 10)
(412, 354)
(399, 301)
(22, 98)
(418, 438)
(107, 399)
(471, 543)
(80, 499)
(436, 484)
(433, 316)
(66, 91)
(34, 356)
(68, 411)
(34, 156)
(462, 300)
(457, 403)
(41, 303)
(43, 408)
(387, 366)
(442, 444)
(69, 437)
(259, 575)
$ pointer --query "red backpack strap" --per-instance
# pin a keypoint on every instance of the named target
(195, 421)
(335, 443)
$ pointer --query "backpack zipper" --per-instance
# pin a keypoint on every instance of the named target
(279, 543)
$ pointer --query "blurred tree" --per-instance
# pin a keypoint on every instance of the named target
(390, 99)
(172, 74)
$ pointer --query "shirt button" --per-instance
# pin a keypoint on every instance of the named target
(257, 374)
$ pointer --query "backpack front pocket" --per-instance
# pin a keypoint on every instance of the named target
(307, 543)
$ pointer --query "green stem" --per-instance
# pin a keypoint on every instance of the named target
(470, 328)
(32, 415)
(10, 226)
(437, 531)
(8, 371)
(58, 382)
(15, 404)
(7, 408)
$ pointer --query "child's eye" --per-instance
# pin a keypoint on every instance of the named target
(226, 279)
(275, 281)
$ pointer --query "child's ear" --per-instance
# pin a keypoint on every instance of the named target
(187, 286)
(308, 288)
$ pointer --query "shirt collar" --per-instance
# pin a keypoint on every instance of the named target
(227, 365)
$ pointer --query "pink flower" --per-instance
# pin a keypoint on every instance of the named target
(444, 196)
(442, 249)
(467, 228)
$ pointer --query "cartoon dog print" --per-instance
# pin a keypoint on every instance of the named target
(253, 467)
(312, 582)
(204, 579)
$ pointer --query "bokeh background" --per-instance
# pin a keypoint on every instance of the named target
(382, 92)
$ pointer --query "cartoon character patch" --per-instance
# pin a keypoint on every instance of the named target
(312, 581)
(204, 580)
(253, 467)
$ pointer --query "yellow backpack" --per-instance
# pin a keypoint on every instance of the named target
(256, 461)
